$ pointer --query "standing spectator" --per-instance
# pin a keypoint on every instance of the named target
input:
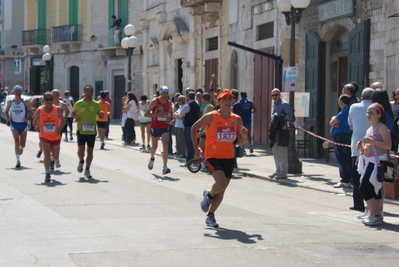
(109, 101)
(236, 109)
(130, 109)
(117, 29)
(145, 123)
(191, 113)
(68, 100)
(280, 153)
(395, 102)
(359, 124)
(1, 94)
(102, 122)
(198, 99)
(247, 107)
(382, 98)
(341, 133)
(350, 90)
(377, 85)
(206, 100)
(376, 142)
(179, 129)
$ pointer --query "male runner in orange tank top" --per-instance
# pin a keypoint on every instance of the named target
(222, 128)
(48, 119)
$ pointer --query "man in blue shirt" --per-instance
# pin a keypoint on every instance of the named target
(280, 153)
(341, 133)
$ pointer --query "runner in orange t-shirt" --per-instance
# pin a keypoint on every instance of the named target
(222, 128)
(49, 121)
(102, 122)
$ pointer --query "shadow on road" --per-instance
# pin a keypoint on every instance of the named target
(91, 181)
(53, 183)
(228, 234)
(19, 169)
(166, 178)
(57, 172)
(387, 227)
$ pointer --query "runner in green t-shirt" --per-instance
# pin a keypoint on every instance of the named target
(84, 112)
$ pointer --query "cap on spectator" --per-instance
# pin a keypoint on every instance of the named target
(225, 92)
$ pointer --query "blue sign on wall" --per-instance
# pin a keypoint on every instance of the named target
(17, 66)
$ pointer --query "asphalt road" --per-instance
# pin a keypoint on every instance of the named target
(130, 216)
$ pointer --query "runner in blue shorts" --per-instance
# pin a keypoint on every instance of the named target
(18, 112)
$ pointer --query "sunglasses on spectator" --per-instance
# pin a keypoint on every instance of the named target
(48, 99)
(275, 95)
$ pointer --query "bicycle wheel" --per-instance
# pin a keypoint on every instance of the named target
(194, 165)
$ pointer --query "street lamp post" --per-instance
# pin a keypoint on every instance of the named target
(129, 43)
(47, 58)
(292, 9)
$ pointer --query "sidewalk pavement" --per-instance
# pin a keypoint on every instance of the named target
(316, 174)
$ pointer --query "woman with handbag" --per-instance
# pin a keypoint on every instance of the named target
(374, 148)
(131, 110)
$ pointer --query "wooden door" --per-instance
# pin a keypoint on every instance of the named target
(358, 54)
(263, 86)
(211, 67)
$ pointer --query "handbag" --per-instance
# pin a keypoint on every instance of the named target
(238, 151)
(385, 169)
(136, 116)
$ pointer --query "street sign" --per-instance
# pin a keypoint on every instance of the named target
(17, 66)
(289, 79)
(2, 78)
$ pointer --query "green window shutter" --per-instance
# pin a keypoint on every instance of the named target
(42, 21)
(125, 14)
(73, 17)
(73, 12)
(111, 11)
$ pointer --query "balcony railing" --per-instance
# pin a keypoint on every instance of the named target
(36, 37)
(192, 3)
(67, 33)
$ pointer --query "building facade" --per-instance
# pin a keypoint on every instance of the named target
(343, 41)
(11, 52)
(182, 43)
(83, 48)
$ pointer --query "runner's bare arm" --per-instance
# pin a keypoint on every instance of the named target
(66, 110)
(62, 121)
(148, 112)
(35, 120)
(28, 107)
(199, 124)
(6, 112)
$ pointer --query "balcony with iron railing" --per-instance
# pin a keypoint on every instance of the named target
(195, 3)
(36, 38)
(67, 34)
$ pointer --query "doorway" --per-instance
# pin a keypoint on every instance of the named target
(339, 77)
(339, 68)
(179, 76)
(74, 83)
(119, 91)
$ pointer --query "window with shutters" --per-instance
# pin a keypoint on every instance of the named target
(265, 31)
(212, 44)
